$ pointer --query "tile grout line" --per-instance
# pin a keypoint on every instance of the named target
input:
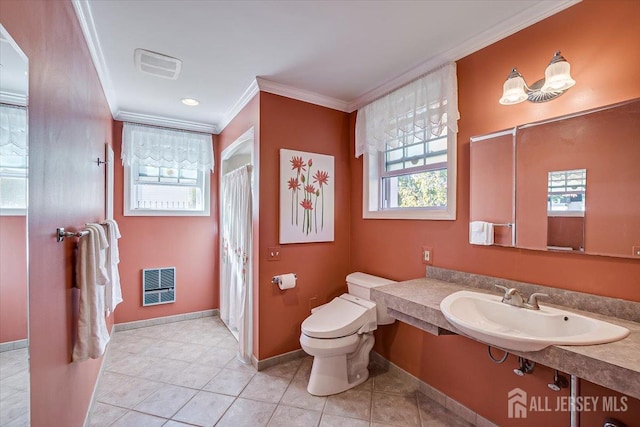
(197, 340)
(417, 397)
(163, 383)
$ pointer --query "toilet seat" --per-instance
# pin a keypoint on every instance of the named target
(330, 347)
(343, 316)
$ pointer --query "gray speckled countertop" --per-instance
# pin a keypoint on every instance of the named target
(614, 365)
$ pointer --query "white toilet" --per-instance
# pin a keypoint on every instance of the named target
(339, 336)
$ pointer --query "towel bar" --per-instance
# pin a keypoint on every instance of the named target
(61, 234)
(512, 226)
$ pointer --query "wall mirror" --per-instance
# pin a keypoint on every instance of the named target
(567, 184)
(14, 333)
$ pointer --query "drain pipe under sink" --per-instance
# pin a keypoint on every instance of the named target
(574, 393)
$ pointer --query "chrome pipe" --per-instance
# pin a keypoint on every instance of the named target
(574, 393)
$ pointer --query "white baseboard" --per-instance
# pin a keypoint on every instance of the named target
(166, 319)
(263, 364)
(14, 345)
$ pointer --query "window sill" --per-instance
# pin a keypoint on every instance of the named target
(420, 214)
(13, 212)
(165, 213)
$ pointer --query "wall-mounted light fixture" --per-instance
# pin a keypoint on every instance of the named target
(557, 79)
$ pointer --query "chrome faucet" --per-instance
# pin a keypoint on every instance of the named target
(513, 297)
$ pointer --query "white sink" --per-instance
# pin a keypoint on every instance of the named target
(486, 318)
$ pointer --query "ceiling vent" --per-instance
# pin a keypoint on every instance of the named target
(157, 64)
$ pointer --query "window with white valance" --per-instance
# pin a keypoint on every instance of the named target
(167, 172)
(14, 160)
(408, 138)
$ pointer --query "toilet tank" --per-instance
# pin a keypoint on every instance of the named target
(360, 284)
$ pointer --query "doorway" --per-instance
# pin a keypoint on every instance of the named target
(237, 208)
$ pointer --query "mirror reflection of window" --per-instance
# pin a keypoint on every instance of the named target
(566, 207)
(566, 192)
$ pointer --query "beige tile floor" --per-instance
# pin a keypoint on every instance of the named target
(185, 373)
(14, 388)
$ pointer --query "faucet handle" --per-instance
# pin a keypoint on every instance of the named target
(533, 299)
(511, 295)
(503, 288)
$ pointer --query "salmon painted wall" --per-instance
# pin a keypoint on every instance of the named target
(247, 118)
(600, 41)
(187, 243)
(321, 267)
(69, 123)
(13, 278)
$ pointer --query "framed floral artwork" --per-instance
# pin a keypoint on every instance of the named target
(307, 188)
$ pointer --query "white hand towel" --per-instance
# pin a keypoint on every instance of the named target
(480, 233)
(93, 336)
(101, 246)
(114, 290)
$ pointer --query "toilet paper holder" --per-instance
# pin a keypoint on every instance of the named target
(276, 280)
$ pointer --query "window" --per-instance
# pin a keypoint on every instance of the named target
(414, 175)
(408, 139)
(167, 172)
(14, 161)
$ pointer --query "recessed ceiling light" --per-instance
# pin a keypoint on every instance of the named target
(190, 102)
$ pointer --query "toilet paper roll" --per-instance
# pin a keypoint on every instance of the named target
(286, 281)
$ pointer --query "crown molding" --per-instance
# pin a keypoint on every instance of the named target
(264, 85)
(85, 18)
(13, 99)
(301, 95)
(247, 96)
(146, 119)
(506, 28)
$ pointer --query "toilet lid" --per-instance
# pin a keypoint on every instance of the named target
(339, 318)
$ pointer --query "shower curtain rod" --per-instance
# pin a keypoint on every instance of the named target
(248, 166)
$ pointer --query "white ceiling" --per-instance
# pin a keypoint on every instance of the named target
(341, 54)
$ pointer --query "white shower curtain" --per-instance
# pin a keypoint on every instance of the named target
(235, 277)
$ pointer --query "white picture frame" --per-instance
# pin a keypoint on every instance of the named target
(307, 195)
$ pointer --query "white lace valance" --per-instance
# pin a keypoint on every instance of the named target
(159, 147)
(13, 131)
(430, 103)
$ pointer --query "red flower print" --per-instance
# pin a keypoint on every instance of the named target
(306, 204)
(310, 189)
(297, 164)
(310, 162)
(294, 184)
(321, 177)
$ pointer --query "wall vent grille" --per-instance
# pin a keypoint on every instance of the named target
(157, 64)
(158, 286)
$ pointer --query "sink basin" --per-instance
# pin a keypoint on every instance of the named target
(486, 318)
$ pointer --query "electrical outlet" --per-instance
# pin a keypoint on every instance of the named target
(273, 253)
(427, 255)
(636, 251)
